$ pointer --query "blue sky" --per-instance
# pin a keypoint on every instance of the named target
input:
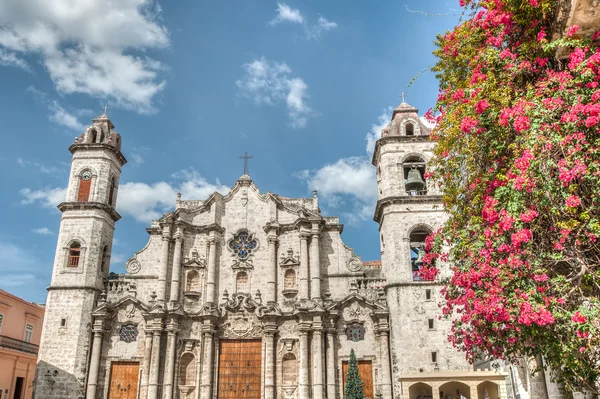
(303, 86)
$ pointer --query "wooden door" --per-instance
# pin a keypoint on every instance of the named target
(365, 372)
(239, 369)
(123, 380)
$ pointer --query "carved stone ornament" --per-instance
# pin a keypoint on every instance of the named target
(133, 266)
(354, 264)
(128, 333)
(355, 332)
(242, 325)
(355, 312)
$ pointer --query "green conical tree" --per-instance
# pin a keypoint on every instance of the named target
(354, 385)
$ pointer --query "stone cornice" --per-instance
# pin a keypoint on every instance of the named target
(96, 146)
(82, 206)
(405, 199)
(396, 139)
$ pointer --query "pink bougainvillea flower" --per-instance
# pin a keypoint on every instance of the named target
(573, 201)
(578, 317)
(572, 30)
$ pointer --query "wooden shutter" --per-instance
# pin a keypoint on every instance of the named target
(84, 190)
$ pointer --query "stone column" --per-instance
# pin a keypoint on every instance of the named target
(269, 339)
(211, 281)
(315, 264)
(154, 365)
(95, 360)
(206, 379)
(317, 357)
(303, 285)
(164, 259)
(176, 271)
(384, 351)
(146, 364)
(331, 364)
(272, 274)
(170, 361)
(303, 382)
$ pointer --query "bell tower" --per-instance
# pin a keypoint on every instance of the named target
(81, 262)
(409, 208)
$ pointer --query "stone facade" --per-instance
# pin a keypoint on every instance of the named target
(250, 294)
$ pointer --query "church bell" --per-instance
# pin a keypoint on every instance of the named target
(415, 182)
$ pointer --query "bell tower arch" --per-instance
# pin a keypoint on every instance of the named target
(81, 262)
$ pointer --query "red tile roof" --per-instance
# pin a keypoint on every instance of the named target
(372, 263)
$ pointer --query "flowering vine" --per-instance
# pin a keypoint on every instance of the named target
(518, 150)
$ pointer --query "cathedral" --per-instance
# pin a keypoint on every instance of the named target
(253, 295)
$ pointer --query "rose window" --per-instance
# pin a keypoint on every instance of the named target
(243, 244)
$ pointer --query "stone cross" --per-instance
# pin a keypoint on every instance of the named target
(402, 95)
(105, 108)
(246, 157)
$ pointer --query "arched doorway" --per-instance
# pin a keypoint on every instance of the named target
(420, 390)
(450, 388)
(488, 390)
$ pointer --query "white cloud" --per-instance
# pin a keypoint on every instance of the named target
(46, 197)
(11, 59)
(58, 114)
(269, 83)
(293, 15)
(137, 158)
(323, 25)
(52, 170)
(287, 14)
(64, 118)
(144, 202)
(92, 47)
(44, 231)
(375, 133)
(350, 181)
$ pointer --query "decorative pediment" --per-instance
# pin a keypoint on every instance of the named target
(290, 260)
(354, 298)
(195, 260)
(242, 264)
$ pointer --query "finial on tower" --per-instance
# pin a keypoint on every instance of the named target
(403, 95)
(246, 157)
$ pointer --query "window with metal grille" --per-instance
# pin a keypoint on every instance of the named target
(74, 255)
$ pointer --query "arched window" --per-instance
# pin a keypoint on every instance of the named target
(192, 281)
(187, 370)
(417, 250)
(241, 282)
(92, 136)
(290, 370)
(111, 191)
(74, 254)
(414, 176)
(409, 129)
(85, 185)
(289, 280)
